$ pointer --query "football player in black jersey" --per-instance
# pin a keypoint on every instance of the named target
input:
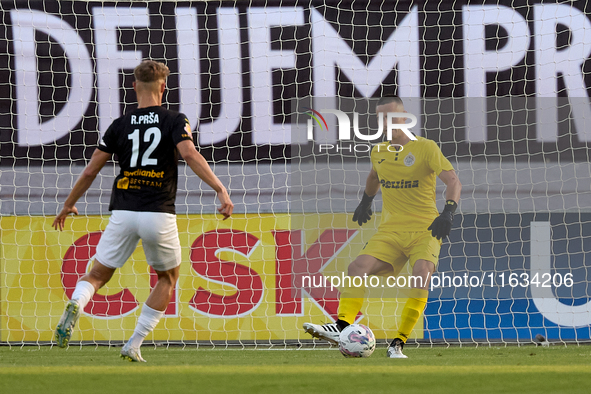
(147, 142)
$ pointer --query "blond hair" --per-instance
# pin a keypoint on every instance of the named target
(150, 71)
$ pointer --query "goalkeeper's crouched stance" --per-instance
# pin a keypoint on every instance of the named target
(411, 229)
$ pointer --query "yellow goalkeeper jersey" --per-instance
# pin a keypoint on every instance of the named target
(408, 180)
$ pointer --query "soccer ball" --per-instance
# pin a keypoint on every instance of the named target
(357, 340)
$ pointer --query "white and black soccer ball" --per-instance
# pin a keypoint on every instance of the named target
(357, 340)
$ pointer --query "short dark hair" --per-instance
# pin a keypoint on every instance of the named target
(150, 71)
(389, 98)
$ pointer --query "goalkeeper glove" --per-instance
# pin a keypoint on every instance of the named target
(363, 212)
(441, 226)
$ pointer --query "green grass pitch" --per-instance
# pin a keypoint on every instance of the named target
(512, 369)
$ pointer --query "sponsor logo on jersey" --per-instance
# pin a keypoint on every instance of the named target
(134, 183)
(409, 160)
(150, 118)
(402, 184)
(123, 183)
(149, 174)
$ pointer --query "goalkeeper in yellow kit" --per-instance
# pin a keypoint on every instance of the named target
(411, 228)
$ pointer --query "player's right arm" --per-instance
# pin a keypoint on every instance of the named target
(97, 161)
(372, 185)
(200, 167)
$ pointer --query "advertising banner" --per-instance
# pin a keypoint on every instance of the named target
(236, 279)
(260, 277)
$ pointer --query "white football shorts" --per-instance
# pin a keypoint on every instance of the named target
(157, 230)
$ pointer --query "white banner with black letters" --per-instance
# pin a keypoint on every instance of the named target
(66, 71)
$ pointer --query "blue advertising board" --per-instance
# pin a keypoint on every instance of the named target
(512, 276)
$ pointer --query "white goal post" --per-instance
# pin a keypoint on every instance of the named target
(501, 86)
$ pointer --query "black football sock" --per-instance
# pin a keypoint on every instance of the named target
(341, 324)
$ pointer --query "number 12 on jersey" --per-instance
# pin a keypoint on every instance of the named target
(135, 149)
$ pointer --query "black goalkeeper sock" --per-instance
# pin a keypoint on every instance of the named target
(341, 324)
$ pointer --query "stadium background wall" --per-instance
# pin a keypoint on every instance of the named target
(516, 168)
(109, 38)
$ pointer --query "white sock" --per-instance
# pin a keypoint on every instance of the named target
(83, 293)
(147, 321)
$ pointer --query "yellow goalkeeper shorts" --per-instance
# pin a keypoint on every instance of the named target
(398, 248)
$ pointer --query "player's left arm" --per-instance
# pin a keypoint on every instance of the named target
(200, 167)
(452, 184)
(441, 226)
(97, 162)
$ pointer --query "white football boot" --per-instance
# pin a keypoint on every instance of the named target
(65, 327)
(395, 349)
(329, 332)
(131, 353)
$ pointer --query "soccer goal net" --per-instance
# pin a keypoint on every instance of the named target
(281, 98)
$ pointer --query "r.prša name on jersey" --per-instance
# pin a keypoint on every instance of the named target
(150, 118)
